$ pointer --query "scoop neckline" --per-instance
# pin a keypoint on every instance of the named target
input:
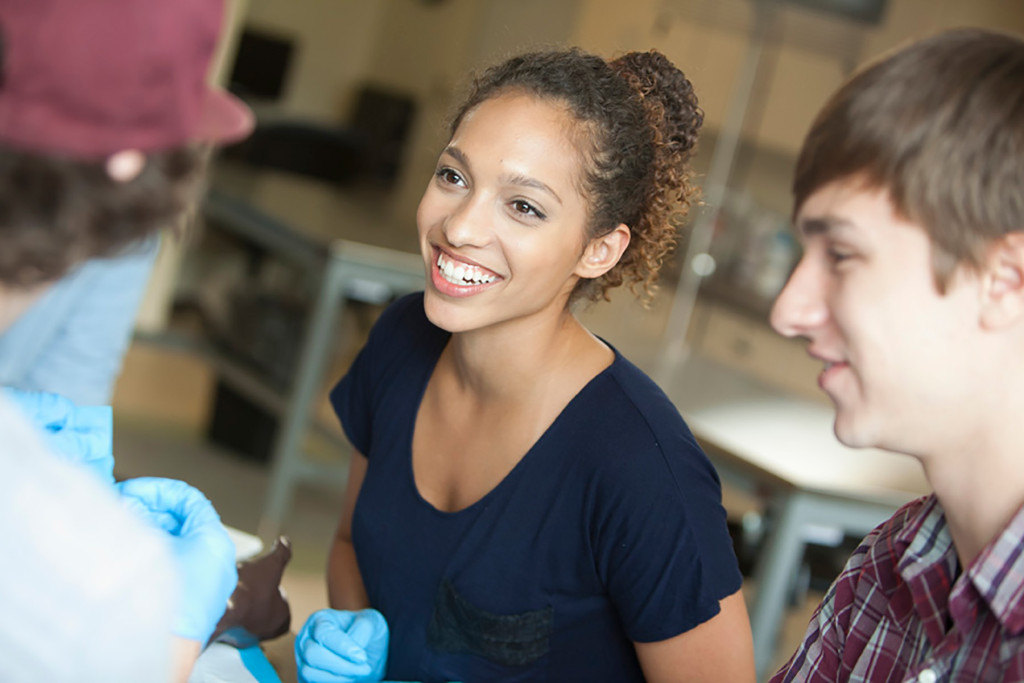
(524, 461)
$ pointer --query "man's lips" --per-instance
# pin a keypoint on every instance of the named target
(830, 369)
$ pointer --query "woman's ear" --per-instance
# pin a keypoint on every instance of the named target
(602, 253)
(1003, 282)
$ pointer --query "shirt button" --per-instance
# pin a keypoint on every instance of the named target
(927, 676)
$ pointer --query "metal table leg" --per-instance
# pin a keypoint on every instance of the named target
(287, 453)
(783, 551)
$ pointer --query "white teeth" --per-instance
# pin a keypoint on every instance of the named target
(463, 274)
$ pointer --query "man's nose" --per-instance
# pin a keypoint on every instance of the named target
(800, 306)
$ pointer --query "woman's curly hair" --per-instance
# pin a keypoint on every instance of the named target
(639, 117)
(57, 212)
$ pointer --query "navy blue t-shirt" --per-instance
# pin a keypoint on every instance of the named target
(609, 530)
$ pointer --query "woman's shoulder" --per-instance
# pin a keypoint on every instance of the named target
(632, 426)
(649, 402)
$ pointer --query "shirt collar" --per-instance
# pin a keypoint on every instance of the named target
(998, 574)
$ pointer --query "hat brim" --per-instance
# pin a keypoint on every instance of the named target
(224, 119)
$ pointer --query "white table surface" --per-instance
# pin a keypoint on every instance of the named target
(768, 440)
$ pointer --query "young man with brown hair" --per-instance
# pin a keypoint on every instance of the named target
(909, 201)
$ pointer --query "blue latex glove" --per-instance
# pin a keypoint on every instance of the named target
(80, 434)
(204, 552)
(338, 646)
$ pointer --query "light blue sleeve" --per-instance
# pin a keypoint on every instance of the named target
(72, 341)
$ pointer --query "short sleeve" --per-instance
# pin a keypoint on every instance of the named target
(663, 549)
(663, 577)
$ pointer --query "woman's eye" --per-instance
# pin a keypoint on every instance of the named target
(449, 176)
(526, 208)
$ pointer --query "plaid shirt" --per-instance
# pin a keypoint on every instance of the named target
(899, 611)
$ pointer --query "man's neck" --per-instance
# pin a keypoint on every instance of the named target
(981, 488)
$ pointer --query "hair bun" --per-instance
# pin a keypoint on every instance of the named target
(667, 96)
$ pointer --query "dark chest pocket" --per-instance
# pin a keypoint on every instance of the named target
(458, 626)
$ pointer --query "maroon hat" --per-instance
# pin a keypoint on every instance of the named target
(88, 78)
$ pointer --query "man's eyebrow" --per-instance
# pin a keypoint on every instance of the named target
(820, 225)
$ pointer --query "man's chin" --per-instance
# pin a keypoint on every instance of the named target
(851, 434)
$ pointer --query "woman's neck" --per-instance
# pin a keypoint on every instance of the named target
(500, 364)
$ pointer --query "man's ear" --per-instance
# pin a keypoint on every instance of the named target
(602, 253)
(1003, 282)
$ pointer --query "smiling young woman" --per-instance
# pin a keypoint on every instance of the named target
(524, 503)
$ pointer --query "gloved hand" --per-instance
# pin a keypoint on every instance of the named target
(204, 552)
(80, 434)
(338, 646)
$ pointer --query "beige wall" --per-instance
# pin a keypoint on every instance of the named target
(811, 52)
(426, 47)
(335, 41)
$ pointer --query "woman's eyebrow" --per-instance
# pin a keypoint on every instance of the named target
(511, 179)
(457, 154)
(527, 181)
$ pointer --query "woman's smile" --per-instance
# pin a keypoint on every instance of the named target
(460, 278)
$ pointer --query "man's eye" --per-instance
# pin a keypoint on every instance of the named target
(838, 255)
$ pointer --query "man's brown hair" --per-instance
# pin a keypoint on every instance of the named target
(56, 212)
(940, 126)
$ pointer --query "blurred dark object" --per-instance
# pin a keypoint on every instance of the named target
(383, 118)
(261, 65)
(304, 147)
(240, 425)
(264, 329)
(866, 11)
(368, 149)
(258, 609)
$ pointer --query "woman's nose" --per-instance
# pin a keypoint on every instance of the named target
(800, 306)
(468, 224)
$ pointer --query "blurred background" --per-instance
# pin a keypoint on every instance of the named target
(249, 321)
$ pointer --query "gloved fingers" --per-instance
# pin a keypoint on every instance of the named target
(164, 521)
(334, 638)
(202, 548)
(44, 409)
(82, 435)
(176, 499)
(350, 662)
(369, 629)
(96, 419)
(88, 449)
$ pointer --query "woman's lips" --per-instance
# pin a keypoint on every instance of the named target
(459, 278)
